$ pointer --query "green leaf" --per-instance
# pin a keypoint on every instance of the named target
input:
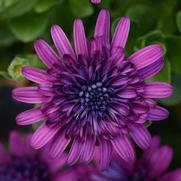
(81, 8)
(164, 75)
(176, 97)
(4, 74)
(178, 21)
(21, 61)
(6, 3)
(142, 15)
(44, 5)
(6, 36)
(17, 9)
(152, 37)
(173, 44)
(29, 27)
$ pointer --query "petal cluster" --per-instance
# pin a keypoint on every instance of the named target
(153, 165)
(24, 163)
(93, 97)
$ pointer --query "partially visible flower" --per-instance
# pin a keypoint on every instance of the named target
(80, 172)
(152, 166)
(96, 1)
(94, 97)
(23, 163)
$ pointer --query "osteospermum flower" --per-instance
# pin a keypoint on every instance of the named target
(95, 96)
(96, 1)
(24, 163)
(152, 166)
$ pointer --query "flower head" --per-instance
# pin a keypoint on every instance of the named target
(94, 97)
(96, 1)
(24, 163)
(152, 166)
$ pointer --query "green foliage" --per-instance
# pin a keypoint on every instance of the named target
(17, 8)
(20, 61)
(178, 20)
(81, 8)
(25, 31)
(44, 5)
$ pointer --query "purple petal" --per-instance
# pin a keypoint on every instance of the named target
(58, 145)
(80, 41)
(61, 41)
(46, 53)
(121, 33)
(36, 75)
(146, 56)
(151, 69)
(104, 154)
(87, 151)
(28, 95)
(118, 56)
(157, 113)
(74, 153)
(30, 116)
(96, 1)
(4, 158)
(128, 93)
(160, 161)
(124, 148)
(140, 135)
(56, 164)
(16, 144)
(102, 28)
(172, 176)
(157, 90)
(43, 135)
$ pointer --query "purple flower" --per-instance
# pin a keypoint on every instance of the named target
(95, 97)
(96, 1)
(152, 166)
(24, 163)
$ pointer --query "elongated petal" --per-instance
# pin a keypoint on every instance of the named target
(36, 75)
(151, 69)
(87, 151)
(160, 161)
(172, 176)
(121, 33)
(43, 135)
(46, 53)
(118, 56)
(74, 153)
(157, 113)
(102, 28)
(58, 145)
(28, 95)
(16, 144)
(30, 116)
(146, 56)
(4, 158)
(140, 135)
(128, 93)
(104, 154)
(158, 90)
(80, 41)
(124, 148)
(61, 41)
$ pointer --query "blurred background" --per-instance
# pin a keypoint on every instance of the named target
(152, 21)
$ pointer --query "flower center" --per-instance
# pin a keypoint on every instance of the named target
(95, 97)
(21, 169)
